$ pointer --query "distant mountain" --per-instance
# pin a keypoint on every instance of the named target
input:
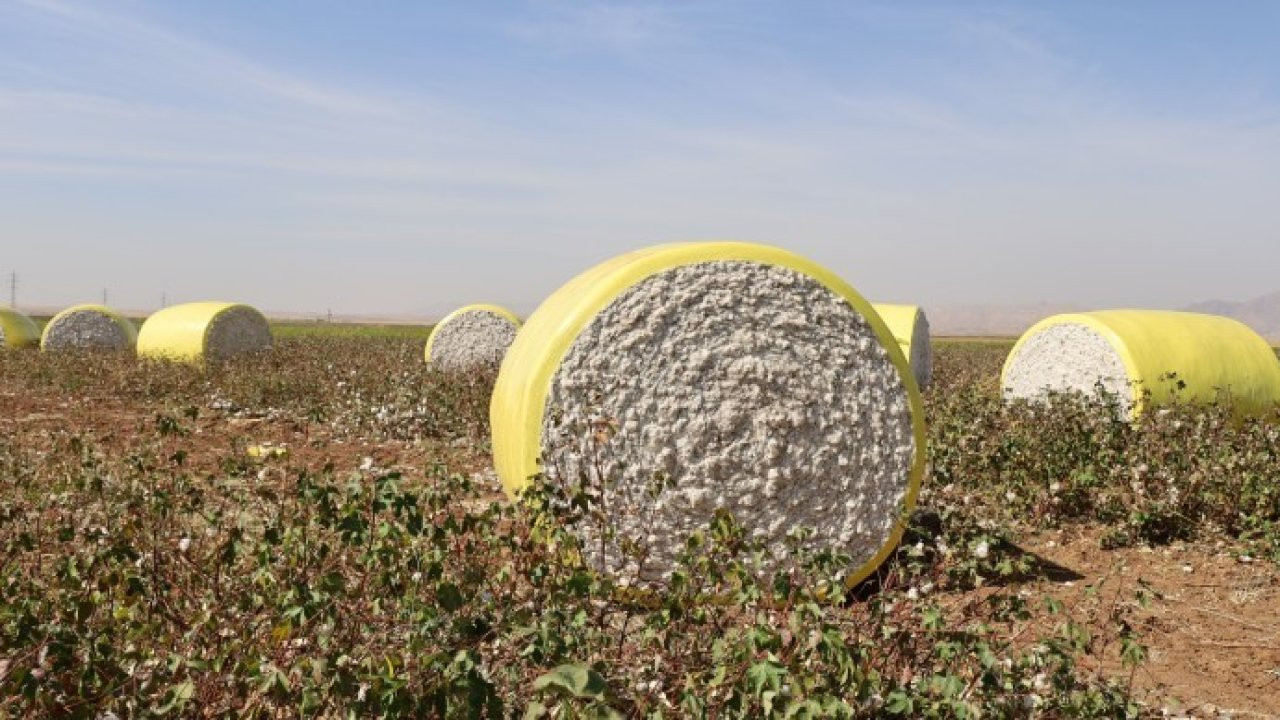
(1261, 313)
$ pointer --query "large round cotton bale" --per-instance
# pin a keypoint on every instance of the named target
(88, 327)
(1131, 354)
(17, 330)
(910, 327)
(683, 379)
(204, 331)
(471, 337)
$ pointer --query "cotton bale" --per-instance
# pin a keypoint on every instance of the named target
(473, 336)
(88, 327)
(204, 332)
(750, 378)
(17, 330)
(910, 327)
(1131, 354)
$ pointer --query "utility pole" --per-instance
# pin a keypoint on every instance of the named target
(104, 296)
(164, 300)
(13, 289)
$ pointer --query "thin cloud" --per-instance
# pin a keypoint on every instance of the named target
(174, 47)
(1001, 140)
(61, 133)
(621, 27)
(1004, 34)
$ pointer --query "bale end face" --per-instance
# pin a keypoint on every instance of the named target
(718, 376)
(238, 330)
(921, 355)
(472, 337)
(1066, 357)
(88, 327)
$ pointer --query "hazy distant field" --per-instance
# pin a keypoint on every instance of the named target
(299, 328)
(303, 328)
(293, 329)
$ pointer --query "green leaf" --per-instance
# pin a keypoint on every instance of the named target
(765, 675)
(449, 597)
(899, 703)
(805, 710)
(1132, 653)
(575, 680)
(177, 698)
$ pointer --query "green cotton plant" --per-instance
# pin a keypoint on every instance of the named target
(148, 572)
(332, 594)
(1176, 473)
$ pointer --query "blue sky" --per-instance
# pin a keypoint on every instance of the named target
(405, 158)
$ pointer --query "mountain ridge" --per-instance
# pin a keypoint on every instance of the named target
(1261, 313)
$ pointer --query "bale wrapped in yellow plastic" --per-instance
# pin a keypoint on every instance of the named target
(17, 330)
(473, 336)
(204, 332)
(684, 379)
(910, 327)
(88, 327)
(1132, 353)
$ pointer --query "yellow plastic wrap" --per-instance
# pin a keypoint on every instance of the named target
(181, 332)
(19, 330)
(478, 307)
(1209, 353)
(519, 396)
(901, 321)
(125, 324)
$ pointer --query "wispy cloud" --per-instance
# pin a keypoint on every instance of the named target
(999, 140)
(169, 48)
(622, 27)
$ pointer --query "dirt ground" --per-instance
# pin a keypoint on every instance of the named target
(1212, 627)
(114, 423)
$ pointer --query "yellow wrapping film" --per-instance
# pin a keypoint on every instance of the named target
(121, 321)
(1209, 353)
(179, 332)
(478, 307)
(901, 321)
(524, 381)
(19, 330)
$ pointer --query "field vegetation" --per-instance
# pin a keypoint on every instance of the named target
(288, 329)
(291, 329)
(315, 532)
